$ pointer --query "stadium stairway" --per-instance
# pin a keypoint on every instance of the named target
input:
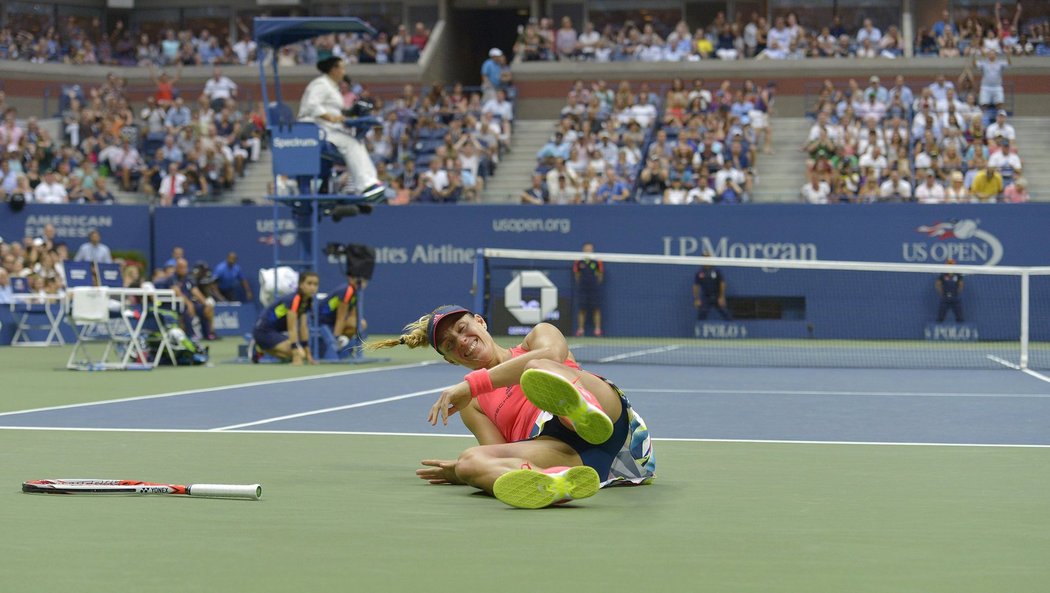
(781, 175)
(1033, 146)
(514, 173)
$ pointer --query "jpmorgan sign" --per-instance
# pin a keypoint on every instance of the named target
(548, 297)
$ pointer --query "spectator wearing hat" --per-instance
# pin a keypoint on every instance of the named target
(949, 287)
(1004, 159)
(1017, 192)
(956, 191)
(1000, 128)
(874, 88)
(492, 69)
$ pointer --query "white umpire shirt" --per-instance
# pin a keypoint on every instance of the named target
(320, 97)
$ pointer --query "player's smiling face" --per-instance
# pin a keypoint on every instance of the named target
(466, 341)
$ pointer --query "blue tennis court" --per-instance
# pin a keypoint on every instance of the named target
(973, 407)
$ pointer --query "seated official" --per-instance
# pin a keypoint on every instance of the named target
(322, 104)
(194, 302)
(282, 330)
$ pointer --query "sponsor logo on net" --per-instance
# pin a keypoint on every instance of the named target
(961, 240)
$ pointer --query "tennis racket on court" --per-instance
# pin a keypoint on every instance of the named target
(92, 486)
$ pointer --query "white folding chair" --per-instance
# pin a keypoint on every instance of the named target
(88, 308)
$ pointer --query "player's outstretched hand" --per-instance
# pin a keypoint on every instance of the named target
(452, 400)
(439, 472)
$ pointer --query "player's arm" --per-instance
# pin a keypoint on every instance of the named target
(696, 294)
(479, 424)
(544, 342)
(940, 287)
(293, 335)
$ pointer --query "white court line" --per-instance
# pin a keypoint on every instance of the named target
(220, 388)
(638, 353)
(1008, 364)
(1039, 376)
(333, 409)
(464, 436)
(831, 393)
(1003, 361)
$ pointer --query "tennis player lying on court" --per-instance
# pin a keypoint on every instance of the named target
(547, 431)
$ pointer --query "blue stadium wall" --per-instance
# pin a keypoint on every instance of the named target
(426, 256)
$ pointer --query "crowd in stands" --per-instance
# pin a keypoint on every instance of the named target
(879, 144)
(787, 38)
(78, 41)
(690, 145)
(174, 149)
(972, 36)
(438, 146)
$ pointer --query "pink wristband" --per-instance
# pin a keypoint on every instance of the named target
(479, 382)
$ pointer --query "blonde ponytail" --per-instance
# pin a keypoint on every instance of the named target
(414, 335)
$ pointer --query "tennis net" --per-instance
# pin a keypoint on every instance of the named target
(781, 313)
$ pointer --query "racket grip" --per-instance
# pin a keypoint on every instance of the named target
(249, 491)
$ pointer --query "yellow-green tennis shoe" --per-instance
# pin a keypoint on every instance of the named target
(529, 488)
(556, 394)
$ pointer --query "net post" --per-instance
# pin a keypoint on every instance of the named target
(479, 281)
(1023, 362)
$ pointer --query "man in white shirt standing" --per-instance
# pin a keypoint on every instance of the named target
(322, 104)
(50, 191)
(218, 89)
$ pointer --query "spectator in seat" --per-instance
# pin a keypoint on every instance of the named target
(729, 184)
(956, 191)
(50, 191)
(987, 184)
(1017, 192)
(816, 191)
(895, 189)
(612, 190)
(535, 194)
(930, 191)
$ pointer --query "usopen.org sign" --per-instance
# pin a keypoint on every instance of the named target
(961, 240)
